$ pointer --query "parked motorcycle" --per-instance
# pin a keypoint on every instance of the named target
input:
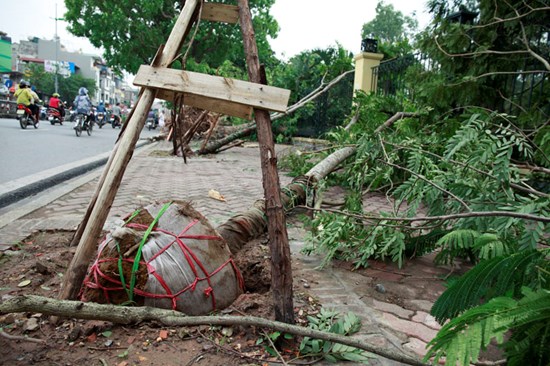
(54, 116)
(25, 116)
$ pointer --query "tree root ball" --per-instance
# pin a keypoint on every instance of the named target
(167, 255)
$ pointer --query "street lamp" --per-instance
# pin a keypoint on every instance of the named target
(56, 49)
(369, 45)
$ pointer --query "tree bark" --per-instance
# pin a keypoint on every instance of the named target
(134, 315)
(281, 271)
(241, 228)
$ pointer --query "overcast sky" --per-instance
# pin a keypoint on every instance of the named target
(305, 24)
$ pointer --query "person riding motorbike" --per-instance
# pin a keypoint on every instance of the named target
(116, 114)
(57, 104)
(36, 99)
(25, 96)
(82, 103)
(100, 109)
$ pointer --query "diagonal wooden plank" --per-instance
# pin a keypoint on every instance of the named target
(99, 208)
(209, 104)
(216, 12)
(243, 92)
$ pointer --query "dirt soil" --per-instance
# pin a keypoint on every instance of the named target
(36, 266)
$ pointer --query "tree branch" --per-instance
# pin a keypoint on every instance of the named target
(500, 73)
(519, 16)
(467, 54)
(311, 96)
(421, 177)
(464, 215)
(394, 118)
(132, 315)
(513, 185)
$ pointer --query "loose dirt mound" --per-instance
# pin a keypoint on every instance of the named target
(36, 266)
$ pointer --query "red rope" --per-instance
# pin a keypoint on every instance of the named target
(96, 275)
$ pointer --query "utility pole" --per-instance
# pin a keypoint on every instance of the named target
(56, 48)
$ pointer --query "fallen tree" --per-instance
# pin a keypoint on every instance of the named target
(134, 315)
(246, 226)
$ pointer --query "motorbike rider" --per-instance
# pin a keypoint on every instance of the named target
(82, 103)
(26, 97)
(57, 104)
(116, 113)
(101, 109)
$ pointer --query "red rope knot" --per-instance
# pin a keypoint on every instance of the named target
(208, 291)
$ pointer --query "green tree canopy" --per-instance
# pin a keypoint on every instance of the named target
(68, 87)
(130, 31)
(393, 30)
(499, 60)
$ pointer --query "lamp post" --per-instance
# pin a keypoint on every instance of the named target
(56, 49)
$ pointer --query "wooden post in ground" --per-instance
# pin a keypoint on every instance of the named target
(281, 271)
(77, 269)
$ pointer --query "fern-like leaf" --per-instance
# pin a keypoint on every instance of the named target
(456, 243)
(490, 278)
(461, 340)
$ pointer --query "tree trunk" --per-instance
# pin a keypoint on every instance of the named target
(243, 227)
(281, 271)
(213, 147)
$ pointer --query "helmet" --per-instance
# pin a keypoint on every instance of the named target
(83, 91)
(23, 83)
(55, 95)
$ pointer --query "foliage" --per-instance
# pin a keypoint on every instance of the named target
(130, 32)
(67, 87)
(432, 173)
(497, 61)
(303, 74)
(461, 340)
(332, 322)
(393, 30)
(494, 277)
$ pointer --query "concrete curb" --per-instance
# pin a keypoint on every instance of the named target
(21, 188)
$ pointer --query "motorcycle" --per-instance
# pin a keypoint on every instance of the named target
(83, 122)
(25, 116)
(100, 119)
(151, 124)
(54, 116)
(115, 121)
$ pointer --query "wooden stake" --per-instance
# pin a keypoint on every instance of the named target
(281, 271)
(77, 269)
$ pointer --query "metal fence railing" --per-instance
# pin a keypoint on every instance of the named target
(519, 92)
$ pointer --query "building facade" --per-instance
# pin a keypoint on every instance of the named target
(110, 87)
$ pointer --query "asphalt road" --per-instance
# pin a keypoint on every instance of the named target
(30, 151)
(33, 160)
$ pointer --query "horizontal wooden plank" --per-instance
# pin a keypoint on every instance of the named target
(216, 12)
(209, 104)
(237, 91)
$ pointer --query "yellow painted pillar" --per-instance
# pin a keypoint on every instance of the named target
(364, 62)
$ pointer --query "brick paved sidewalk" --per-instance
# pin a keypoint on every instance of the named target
(404, 326)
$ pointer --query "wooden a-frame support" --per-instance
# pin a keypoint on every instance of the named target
(224, 95)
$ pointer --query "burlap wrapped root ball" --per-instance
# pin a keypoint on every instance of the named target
(170, 257)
